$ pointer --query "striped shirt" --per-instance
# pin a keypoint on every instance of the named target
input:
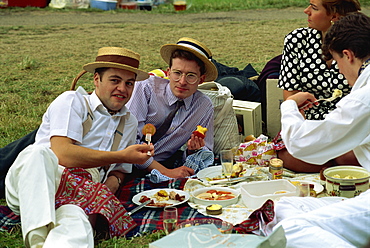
(151, 102)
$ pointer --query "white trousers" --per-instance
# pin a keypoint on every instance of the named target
(316, 222)
(31, 184)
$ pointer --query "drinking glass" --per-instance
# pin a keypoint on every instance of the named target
(227, 159)
(303, 189)
(234, 144)
(169, 219)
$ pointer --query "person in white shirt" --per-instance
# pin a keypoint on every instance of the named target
(316, 222)
(69, 176)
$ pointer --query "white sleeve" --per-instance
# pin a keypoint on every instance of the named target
(318, 141)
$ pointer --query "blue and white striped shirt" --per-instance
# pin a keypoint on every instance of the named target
(151, 102)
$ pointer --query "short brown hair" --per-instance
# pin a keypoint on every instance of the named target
(188, 56)
(350, 32)
(342, 7)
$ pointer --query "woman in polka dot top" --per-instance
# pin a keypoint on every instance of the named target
(304, 69)
(302, 65)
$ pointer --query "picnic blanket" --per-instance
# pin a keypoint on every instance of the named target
(149, 220)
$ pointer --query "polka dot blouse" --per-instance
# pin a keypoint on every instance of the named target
(303, 69)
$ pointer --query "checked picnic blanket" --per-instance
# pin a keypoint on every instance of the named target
(149, 220)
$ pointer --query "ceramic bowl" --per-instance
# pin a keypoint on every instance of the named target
(346, 181)
(223, 203)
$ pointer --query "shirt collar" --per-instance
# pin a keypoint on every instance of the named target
(362, 78)
(97, 105)
(172, 99)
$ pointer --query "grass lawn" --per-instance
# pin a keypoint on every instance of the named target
(39, 62)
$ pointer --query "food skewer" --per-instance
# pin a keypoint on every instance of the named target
(148, 130)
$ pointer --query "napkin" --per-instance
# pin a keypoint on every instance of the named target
(197, 161)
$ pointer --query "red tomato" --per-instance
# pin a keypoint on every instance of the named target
(223, 192)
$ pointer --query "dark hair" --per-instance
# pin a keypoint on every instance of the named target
(350, 32)
(101, 71)
(342, 7)
(188, 56)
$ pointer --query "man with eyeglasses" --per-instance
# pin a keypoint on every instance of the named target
(155, 98)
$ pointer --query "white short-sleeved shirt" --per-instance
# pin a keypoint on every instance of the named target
(303, 69)
(65, 115)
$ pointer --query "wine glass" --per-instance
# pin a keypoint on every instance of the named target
(227, 159)
(303, 189)
(234, 144)
(169, 219)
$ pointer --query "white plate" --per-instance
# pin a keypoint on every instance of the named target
(211, 172)
(151, 193)
(216, 171)
(317, 186)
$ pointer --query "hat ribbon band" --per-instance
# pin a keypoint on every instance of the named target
(119, 59)
(195, 47)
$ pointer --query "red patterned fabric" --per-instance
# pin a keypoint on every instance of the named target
(252, 223)
(278, 142)
(77, 188)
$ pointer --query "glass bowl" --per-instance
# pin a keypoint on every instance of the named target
(223, 226)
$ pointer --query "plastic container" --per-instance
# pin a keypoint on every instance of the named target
(27, 3)
(128, 5)
(145, 4)
(255, 194)
(3, 4)
(104, 5)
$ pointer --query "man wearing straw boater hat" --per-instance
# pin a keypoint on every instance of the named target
(154, 99)
(48, 185)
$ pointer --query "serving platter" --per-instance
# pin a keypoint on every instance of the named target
(150, 194)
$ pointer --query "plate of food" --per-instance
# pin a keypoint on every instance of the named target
(214, 173)
(161, 197)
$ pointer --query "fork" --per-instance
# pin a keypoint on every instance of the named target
(322, 99)
(148, 139)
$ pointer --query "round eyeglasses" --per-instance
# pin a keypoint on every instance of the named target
(190, 78)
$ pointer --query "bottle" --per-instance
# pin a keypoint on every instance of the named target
(312, 190)
(276, 169)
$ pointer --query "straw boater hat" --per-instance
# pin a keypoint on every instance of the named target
(117, 57)
(196, 48)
